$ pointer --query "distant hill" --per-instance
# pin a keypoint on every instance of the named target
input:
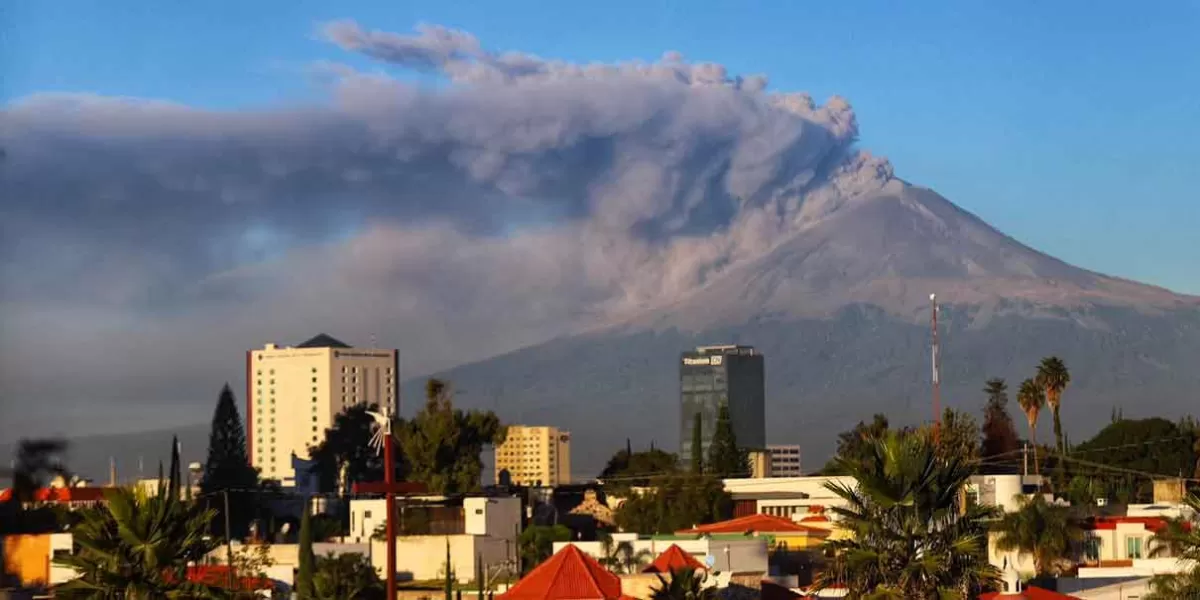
(841, 313)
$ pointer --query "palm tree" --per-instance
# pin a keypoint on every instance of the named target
(911, 537)
(684, 584)
(1045, 531)
(139, 547)
(1180, 539)
(1032, 398)
(1053, 377)
(622, 558)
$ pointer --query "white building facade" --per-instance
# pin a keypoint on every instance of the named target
(293, 395)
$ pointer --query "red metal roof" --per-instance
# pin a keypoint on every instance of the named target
(756, 523)
(568, 575)
(1029, 593)
(1106, 523)
(61, 494)
(673, 559)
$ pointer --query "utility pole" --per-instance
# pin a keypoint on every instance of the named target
(936, 363)
(389, 477)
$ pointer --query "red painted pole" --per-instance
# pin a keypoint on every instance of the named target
(389, 477)
(937, 367)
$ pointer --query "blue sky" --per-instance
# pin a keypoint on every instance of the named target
(1070, 125)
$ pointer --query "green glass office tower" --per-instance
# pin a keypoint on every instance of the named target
(710, 376)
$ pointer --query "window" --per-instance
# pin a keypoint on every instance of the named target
(314, 379)
(1091, 548)
(366, 514)
(1133, 547)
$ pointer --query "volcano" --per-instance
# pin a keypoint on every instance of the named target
(840, 309)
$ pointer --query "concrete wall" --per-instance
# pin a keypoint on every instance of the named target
(422, 557)
(30, 558)
(495, 517)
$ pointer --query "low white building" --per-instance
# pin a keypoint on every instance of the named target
(790, 497)
(473, 529)
(476, 515)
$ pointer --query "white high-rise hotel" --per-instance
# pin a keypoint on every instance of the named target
(294, 393)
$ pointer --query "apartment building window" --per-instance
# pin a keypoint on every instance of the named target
(1133, 547)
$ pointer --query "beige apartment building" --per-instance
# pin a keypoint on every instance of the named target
(294, 393)
(534, 455)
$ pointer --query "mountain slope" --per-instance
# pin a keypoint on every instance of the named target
(840, 309)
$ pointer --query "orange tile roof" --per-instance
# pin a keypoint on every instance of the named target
(568, 575)
(673, 559)
(1029, 593)
(758, 523)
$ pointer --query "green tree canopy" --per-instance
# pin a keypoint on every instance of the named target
(443, 444)
(637, 469)
(347, 447)
(725, 458)
(677, 502)
(1154, 445)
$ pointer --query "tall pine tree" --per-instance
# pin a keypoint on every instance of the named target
(1000, 439)
(228, 467)
(725, 459)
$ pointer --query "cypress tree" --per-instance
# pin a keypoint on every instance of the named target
(304, 571)
(228, 466)
(697, 445)
(725, 459)
(449, 573)
(176, 472)
(479, 575)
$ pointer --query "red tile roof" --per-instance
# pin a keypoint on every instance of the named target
(61, 494)
(568, 575)
(1029, 593)
(756, 524)
(673, 559)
